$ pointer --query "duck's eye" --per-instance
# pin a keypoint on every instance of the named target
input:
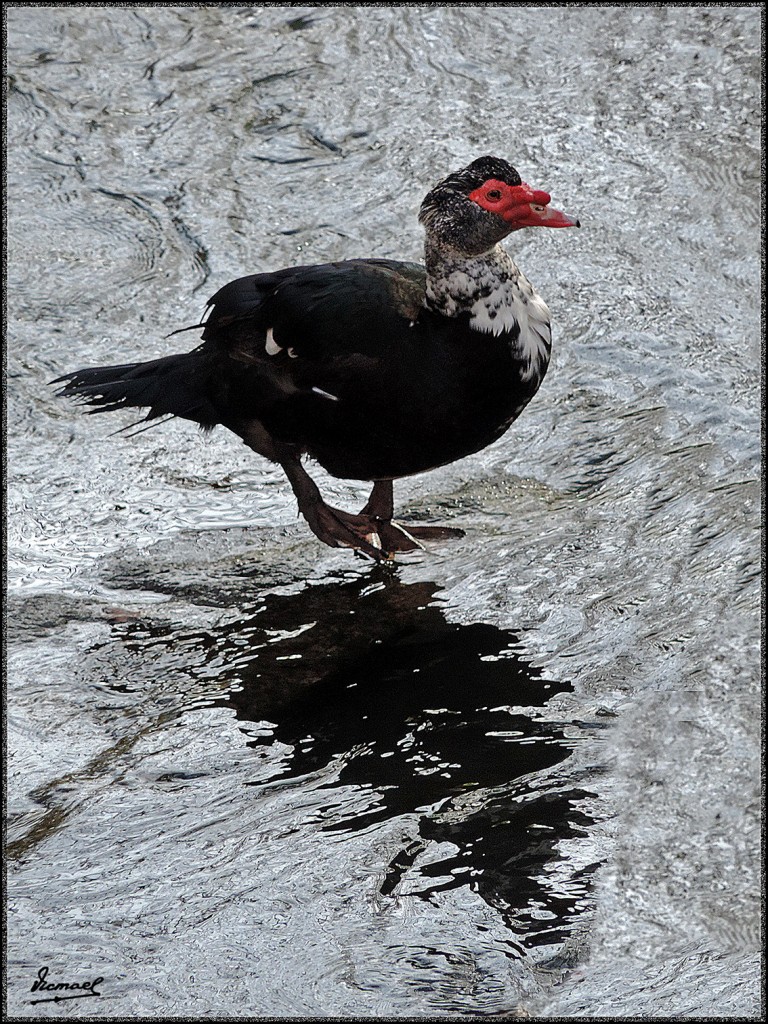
(494, 194)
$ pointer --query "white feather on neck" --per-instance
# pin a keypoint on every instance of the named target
(498, 297)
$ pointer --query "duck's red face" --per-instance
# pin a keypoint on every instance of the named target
(520, 205)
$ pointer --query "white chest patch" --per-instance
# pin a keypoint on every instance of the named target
(509, 307)
(499, 299)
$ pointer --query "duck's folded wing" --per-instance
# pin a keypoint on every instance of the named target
(315, 313)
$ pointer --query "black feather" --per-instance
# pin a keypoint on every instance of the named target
(176, 385)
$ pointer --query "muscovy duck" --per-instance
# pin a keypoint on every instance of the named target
(375, 368)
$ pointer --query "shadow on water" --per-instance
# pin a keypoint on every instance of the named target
(367, 684)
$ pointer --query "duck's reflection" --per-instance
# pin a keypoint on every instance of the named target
(430, 718)
(366, 685)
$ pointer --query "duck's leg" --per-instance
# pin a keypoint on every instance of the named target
(381, 503)
(371, 531)
(396, 536)
(380, 508)
(331, 525)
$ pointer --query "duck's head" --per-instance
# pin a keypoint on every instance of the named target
(473, 209)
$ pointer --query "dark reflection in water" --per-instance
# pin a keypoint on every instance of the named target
(424, 718)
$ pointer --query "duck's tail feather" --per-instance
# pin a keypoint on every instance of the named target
(174, 385)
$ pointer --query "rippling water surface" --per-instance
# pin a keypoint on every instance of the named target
(518, 774)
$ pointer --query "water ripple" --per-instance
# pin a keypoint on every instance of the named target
(195, 693)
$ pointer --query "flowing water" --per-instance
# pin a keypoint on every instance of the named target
(517, 774)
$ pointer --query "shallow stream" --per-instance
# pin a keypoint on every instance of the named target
(517, 774)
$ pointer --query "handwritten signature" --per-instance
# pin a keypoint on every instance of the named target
(78, 990)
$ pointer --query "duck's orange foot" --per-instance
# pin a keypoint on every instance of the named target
(378, 538)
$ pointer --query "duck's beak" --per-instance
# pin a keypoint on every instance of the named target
(535, 216)
(534, 211)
